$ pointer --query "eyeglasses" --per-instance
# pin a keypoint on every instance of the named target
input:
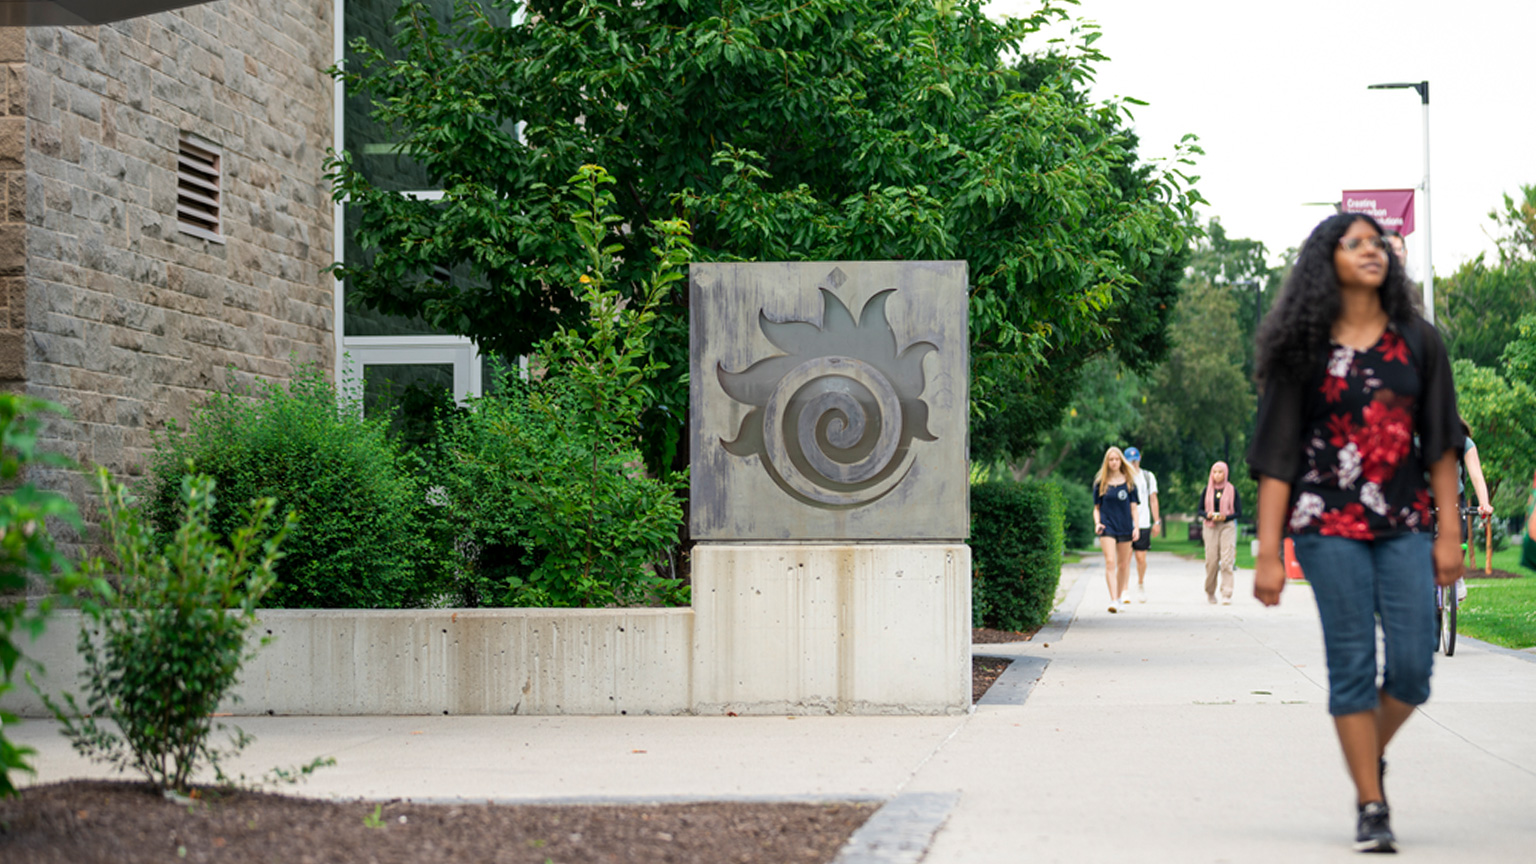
(1350, 244)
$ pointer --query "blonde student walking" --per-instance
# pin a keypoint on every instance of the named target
(1114, 520)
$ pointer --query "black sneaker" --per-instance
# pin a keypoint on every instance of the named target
(1373, 833)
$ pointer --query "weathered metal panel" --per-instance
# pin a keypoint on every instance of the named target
(829, 401)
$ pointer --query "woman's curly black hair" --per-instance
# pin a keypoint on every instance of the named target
(1293, 340)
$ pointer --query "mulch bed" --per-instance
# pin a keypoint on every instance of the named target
(988, 636)
(96, 822)
(984, 671)
(1477, 573)
(86, 822)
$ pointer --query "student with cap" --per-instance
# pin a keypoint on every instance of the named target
(1148, 518)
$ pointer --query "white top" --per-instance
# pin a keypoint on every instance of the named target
(1146, 487)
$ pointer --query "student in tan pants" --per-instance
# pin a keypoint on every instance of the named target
(1221, 510)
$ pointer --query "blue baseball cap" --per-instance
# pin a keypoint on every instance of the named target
(1132, 454)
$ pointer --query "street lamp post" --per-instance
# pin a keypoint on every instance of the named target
(1429, 272)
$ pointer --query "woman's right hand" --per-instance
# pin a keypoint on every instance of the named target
(1268, 579)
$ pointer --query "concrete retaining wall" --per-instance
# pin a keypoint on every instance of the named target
(440, 661)
(775, 628)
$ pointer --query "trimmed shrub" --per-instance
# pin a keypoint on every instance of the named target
(1016, 545)
(364, 536)
(1077, 510)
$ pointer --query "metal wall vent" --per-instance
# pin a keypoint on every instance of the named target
(197, 188)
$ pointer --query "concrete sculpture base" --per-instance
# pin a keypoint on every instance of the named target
(834, 629)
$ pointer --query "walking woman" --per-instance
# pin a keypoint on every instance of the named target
(1114, 520)
(1350, 376)
(1220, 508)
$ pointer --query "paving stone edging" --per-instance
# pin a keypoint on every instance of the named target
(899, 832)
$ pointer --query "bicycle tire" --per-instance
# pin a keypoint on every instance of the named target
(1450, 621)
(1439, 619)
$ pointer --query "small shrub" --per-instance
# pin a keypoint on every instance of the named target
(172, 636)
(545, 476)
(364, 539)
(27, 553)
(1016, 544)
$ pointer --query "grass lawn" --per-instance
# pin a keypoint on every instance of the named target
(1185, 548)
(1501, 611)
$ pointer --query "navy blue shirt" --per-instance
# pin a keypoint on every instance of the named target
(1115, 509)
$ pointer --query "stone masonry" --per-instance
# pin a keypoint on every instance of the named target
(107, 307)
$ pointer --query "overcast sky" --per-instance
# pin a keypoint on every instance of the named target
(1277, 94)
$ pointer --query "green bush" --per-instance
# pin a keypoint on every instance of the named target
(27, 552)
(549, 520)
(544, 478)
(1077, 509)
(171, 639)
(365, 537)
(1016, 545)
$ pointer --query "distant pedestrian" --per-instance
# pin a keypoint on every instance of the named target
(1220, 508)
(1114, 521)
(1399, 247)
(1471, 475)
(1148, 517)
(1349, 373)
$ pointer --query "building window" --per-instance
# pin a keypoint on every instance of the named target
(198, 163)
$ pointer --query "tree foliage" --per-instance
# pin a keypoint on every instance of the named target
(824, 130)
(1242, 265)
(29, 559)
(1105, 409)
(1502, 415)
(542, 478)
(1517, 225)
(1200, 404)
(1476, 306)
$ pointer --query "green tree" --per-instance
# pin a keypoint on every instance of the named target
(1517, 222)
(1200, 405)
(1242, 266)
(1477, 305)
(828, 129)
(1103, 412)
(1502, 414)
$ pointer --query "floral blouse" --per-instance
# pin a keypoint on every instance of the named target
(1356, 441)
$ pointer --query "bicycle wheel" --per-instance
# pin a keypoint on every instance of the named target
(1451, 604)
(1439, 619)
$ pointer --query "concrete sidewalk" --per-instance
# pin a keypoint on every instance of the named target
(1172, 731)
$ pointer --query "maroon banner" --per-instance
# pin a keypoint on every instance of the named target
(1393, 208)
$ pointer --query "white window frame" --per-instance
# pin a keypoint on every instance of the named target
(461, 353)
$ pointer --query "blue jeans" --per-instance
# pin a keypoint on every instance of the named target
(1355, 583)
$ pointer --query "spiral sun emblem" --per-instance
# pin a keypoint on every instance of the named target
(834, 417)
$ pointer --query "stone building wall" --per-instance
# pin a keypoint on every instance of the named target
(13, 193)
(129, 321)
